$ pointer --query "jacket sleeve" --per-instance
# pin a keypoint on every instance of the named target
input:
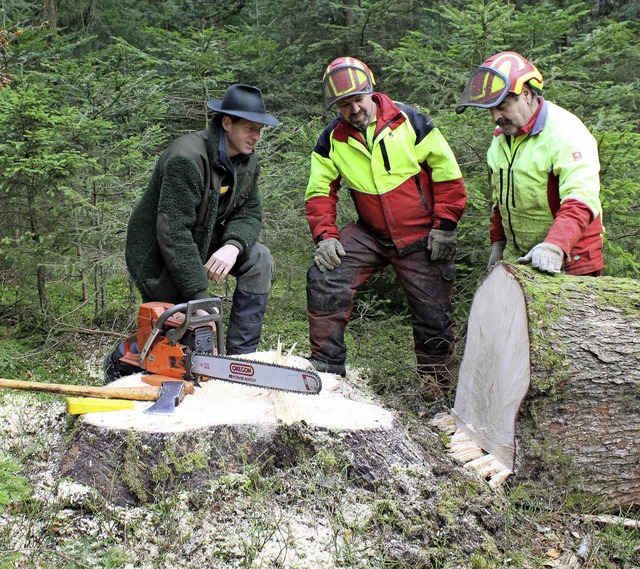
(242, 228)
(321, 196)
(570, 223)
(496, 229)
(180, 196)
(576, 171)
(449, 193)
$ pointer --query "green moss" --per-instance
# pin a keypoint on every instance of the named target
(132, 476)
(581, 501)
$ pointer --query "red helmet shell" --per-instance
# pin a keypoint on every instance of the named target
(518, 69)
(503, 73)
(344, 77)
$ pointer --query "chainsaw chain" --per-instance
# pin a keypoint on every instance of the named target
(270, 364)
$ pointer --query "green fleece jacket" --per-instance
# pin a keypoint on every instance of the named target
(179, 221)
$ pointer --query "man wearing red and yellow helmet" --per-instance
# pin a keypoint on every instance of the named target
(544, 171)
(409, 196)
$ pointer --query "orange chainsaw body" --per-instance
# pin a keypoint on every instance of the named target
(167, 333)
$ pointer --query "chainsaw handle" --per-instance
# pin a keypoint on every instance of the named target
(213, 307)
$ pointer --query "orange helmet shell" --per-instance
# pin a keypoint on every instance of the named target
(344, 77)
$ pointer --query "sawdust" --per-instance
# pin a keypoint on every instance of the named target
(336, 407)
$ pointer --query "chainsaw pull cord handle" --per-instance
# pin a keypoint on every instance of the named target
(213, 307)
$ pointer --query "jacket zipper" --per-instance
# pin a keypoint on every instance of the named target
(511, 191)
(383, 148)
(385, 157)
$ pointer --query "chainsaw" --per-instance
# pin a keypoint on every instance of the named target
(186, 342)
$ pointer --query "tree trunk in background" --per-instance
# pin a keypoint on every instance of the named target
(549, 381)
(50, 13)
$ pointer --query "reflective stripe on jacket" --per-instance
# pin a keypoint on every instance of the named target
(408, 182)
(546, 187)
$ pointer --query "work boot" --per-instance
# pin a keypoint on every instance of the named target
(337, 369)
(115, 369)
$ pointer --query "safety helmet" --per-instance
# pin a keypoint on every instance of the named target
(344, 77)
(503, 73)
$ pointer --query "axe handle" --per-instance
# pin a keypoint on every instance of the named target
(144, 393)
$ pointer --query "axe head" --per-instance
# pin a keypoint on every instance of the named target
(171, 394)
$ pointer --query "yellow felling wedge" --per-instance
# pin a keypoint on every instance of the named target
(81, 405)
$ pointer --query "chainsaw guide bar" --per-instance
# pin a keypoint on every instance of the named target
(254, 373)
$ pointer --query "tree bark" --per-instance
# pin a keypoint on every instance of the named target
(549, 382)
(224, 429)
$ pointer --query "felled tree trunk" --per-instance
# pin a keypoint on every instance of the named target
(549, 383)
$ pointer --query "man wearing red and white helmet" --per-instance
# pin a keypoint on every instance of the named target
(409, 196)
(544, 172)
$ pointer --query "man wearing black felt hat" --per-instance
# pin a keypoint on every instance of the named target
(199, 221)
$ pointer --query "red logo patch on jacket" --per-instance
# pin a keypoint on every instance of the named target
(577, 156)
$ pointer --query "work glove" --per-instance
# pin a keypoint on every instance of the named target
(545, 257)
(442, 244)
(328, 254)
(497, 253)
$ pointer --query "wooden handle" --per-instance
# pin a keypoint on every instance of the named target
(144, 393)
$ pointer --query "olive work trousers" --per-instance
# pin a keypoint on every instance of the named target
(428, 286)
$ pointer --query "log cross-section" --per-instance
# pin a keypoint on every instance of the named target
(550, 380)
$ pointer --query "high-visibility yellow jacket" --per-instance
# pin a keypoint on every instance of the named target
(403, 182)
(546, 188)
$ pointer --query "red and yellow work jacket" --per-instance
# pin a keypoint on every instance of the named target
(401, 174)
(546, 187)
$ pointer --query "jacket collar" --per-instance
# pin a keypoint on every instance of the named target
(541, 119)
(218, 149)
(387, 115)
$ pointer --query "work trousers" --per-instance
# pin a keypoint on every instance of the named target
(428, 286)
(253, 271)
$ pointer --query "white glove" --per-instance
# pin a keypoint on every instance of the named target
(442, 244)
(328, 254)
(497, 253)
(545, 257)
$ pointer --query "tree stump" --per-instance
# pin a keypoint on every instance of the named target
(549, 383)
(225, 428)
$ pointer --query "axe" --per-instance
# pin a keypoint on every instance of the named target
(167, 395)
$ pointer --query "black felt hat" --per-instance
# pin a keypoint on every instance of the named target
(243, 101)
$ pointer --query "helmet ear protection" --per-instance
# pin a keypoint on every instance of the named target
(344, 77)
(501, 74)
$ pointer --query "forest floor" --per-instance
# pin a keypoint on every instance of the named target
(312, 513)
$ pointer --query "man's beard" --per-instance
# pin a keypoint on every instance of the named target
(360, 121)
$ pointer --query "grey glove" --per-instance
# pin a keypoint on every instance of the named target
(497, 253)
(328, 254)
(442, 244)
(545, 257)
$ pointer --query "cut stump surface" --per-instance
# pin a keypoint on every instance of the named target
(223, 427)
